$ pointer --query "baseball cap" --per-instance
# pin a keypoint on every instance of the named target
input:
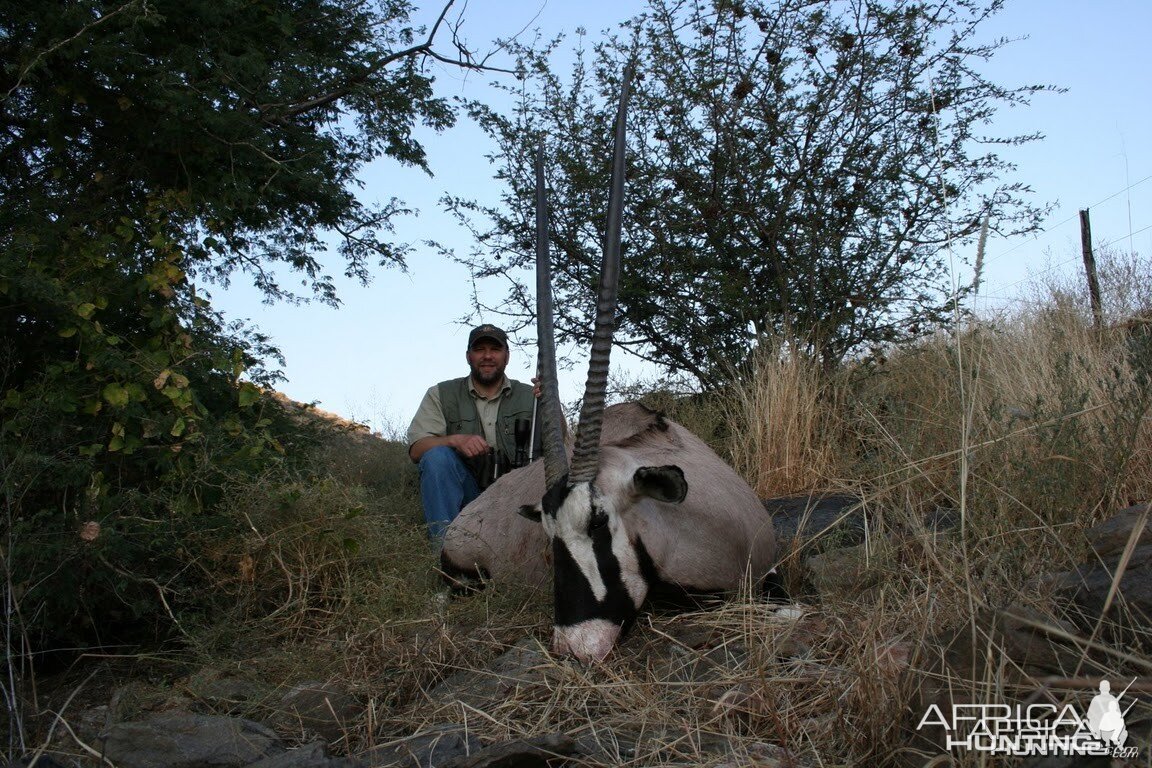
(487, 332)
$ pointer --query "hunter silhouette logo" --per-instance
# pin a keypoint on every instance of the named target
(1105, 719)
(1037, 729)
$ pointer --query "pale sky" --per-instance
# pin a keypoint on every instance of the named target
(372, 359)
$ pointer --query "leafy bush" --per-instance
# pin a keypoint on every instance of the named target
(106, 514)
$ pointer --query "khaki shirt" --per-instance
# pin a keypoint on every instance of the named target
(429, 420)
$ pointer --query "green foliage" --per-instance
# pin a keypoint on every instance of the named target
(795, 171)
(145, 148)
(238, 127)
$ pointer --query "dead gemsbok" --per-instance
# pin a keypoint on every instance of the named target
(642, 507)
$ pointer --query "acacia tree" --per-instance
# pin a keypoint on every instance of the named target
(796, 169)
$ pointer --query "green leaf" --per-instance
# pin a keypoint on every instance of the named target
(249, 394)
(85, 310)
(178, 428)
(135, 392)
(116, 395)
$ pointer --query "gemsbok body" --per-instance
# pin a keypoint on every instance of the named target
(639, 507)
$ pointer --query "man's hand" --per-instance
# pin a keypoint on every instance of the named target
(536, 387)
(468, 446)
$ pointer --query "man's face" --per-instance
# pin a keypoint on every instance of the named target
(487, 359)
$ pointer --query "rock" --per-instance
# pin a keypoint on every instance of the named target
(545, 751)
(1111, 536)
(427, 749)
(1086, 588)
(40, 761)
(185, 740)
(311, 756)
(322, 709)
(844, 571)
(523, 665)
(605, 746)
(225, 692)
(762, 755)
(816, 522)
(1039, 644)
(1036, 641)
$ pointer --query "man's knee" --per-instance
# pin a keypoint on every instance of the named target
(442, 470)
(440, 460)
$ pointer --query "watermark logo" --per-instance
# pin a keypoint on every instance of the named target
(1037, 729)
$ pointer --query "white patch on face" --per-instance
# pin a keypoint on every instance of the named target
(571, 527)
(588, 641)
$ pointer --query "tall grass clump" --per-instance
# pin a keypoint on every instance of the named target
(784, 425)
(1013, 436)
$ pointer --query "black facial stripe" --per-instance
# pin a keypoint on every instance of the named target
(554, 497)
(647, 564)
(574, 600)
(606, 560)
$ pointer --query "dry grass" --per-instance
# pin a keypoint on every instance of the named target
(1034, 418)
(741, 684)
(786, 428)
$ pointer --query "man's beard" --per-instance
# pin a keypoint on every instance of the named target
(487, 379)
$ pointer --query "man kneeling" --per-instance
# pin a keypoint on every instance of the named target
(468, 431)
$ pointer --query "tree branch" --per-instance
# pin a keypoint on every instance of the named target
(425, 48)
(47, 52)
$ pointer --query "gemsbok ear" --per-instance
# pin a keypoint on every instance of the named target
(530, 512)
(665, 483)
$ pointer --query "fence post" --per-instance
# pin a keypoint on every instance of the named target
(1090, 270)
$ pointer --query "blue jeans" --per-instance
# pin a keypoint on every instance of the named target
(446, 486)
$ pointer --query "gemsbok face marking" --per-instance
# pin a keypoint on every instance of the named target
(601, 575)
(641, 505)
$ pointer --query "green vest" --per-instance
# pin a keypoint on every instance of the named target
(462, 418)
